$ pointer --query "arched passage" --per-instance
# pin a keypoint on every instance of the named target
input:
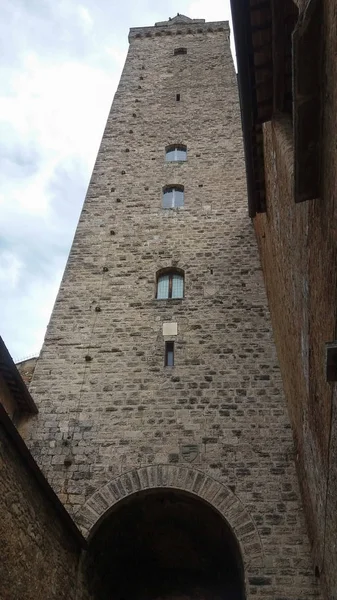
(164, 544)
(186, 479)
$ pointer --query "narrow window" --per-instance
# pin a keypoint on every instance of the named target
(169, 354)
(178, 97)
(176, 153)
(180, 51)
(170, 285)
(173, 197)
(285, 17)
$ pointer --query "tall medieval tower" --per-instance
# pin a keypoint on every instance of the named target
(162, 426)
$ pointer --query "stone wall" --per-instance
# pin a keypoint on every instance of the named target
(39, 548)
(107, 403)
(26, 369)
(298, 251)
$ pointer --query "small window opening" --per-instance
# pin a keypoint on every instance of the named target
(176, 153)
(173, 197)
(180, 51)
(169, 354)
(178, 97)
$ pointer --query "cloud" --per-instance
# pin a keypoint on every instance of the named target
(210, 11)
(10, 267)
(85, 18)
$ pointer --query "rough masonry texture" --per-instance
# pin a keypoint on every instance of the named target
(26, 369)
(296, 230)
(40, 555)
(298, 252)
(110, 413)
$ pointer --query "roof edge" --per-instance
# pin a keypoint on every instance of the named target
(11, 374)
(33, 467)
(240, 18)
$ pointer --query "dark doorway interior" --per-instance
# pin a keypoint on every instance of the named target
(164, 545)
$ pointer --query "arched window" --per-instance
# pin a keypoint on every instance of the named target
(173, 196)
(170, 285)
(176, 153)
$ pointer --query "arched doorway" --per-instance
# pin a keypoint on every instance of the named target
(164, 544)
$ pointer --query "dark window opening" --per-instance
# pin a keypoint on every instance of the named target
(178, 97)
(308, 50)
(180, 51)
(169, 354)
(285, 19)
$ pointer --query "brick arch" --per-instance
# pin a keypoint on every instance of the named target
(186, 479)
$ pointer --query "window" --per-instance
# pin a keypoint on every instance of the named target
(175, 153)
(170, 285)
(178, 97)
(169, 354)
(173, 197)
(180, 51)
(285, 19)
(308, 82)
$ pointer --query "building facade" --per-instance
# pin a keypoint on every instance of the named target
(162, 425)
(288, 95)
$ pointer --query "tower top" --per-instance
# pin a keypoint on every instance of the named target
(178, 19)
(180, 24)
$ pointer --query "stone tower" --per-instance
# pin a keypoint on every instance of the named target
(162, 425)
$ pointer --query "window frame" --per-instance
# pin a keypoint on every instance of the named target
(172, 189)
(171, 273)
(176, 148)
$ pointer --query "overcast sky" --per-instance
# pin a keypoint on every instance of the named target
(60, 66)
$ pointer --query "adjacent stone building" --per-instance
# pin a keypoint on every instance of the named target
(26, 368)
(40, 546)
(162, 425)
(288, 87)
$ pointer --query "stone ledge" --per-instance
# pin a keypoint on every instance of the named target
(181, 29)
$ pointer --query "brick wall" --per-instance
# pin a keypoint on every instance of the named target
(298, 251)
(39, 552)
(107, 404)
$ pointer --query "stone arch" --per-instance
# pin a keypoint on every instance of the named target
(186, 479)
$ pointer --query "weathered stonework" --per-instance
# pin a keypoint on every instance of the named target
(109, 411)
(26, 369)
(181, 478)
(298, 253)
(40, 551)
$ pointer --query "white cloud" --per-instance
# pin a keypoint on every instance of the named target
(32, 313)
(215, 10)
(85, 18)
(10, 267)
(50, 104)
